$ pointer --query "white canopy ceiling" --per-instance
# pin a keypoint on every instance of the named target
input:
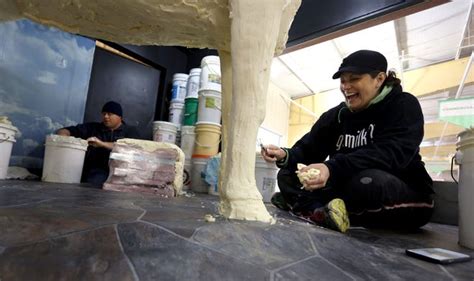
(428, 37)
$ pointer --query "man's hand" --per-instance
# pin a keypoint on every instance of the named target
(272, 153)
(96, 142)
(63, 132)
(316, 182)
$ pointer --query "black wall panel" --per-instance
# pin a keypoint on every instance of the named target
(318, 18)
(132, 84)
(169, 60)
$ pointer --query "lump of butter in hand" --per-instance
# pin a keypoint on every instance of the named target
(308, 175)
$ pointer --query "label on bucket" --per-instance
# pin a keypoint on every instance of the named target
(164, 137)
(210, 103)
(268, 184)
(178, 92)
(214, 78)
(192, 89)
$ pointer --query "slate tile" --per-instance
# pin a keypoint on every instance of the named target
(181, 215)
(270, 246)
(91, 255)
(369, 261)
(26, 225)
(14, 196)
(431, 235)
(462, 271)
(159, 255)
(196, 201)
(21, 185)
(182, 246)
(182, 221)
(312, 269)
(49, 219)
(74, 191)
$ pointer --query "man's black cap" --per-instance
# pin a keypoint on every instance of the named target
(363, 61)
(113, 107)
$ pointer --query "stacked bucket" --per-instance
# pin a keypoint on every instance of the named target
(7, 139)
(188, 135)
(178, 95)
(164, 131)
(208, 124)
(194, 121)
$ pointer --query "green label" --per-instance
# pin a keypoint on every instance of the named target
(214, 78)
(210, 103)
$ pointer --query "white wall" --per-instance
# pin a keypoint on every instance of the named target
(277, 113)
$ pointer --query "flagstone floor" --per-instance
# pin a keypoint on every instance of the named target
(71, 232)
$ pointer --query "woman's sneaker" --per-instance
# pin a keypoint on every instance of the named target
(333, 216)
(280, 202)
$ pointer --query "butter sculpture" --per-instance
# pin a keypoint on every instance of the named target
(308, 175)
(247, 34)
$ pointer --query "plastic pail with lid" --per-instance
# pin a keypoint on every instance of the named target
(187, 174)
(210, 73)
(465, 160)
(164, 131)
(7, 139)
(198, 184)
(209, 108)
(265, 177)
(193, 83)
(208, 137)
(176, 113)
(188, 137)
(178, 91)
(63, 159)
(190, 111)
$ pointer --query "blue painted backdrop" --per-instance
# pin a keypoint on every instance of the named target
(44, 79)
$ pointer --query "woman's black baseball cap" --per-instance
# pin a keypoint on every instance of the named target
(363, 61)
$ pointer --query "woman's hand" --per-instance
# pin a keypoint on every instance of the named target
(318, 181)
(272, 153)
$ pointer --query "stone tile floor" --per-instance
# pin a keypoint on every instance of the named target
(71, 232)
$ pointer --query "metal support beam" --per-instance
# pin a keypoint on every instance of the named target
(458, 94)
(468, 18)
(297, 76)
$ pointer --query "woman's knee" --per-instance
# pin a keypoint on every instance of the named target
(373, 177)
(371, 189)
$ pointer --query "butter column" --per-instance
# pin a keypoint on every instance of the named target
(255, 26)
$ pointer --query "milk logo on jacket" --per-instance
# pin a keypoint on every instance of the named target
(362, 138)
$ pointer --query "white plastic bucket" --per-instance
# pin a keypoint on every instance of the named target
(7, 138)
(178, 138)
(63, 159)
(164, 131)
(187, 174)
(197, 182)
(209, 107)
(208, 138)
(178, 91)
(188, 137)
(193, 83)
(210, 73)
(265, 177)
(176, 115)
(465, 160)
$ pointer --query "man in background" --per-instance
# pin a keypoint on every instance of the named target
(101, 137)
